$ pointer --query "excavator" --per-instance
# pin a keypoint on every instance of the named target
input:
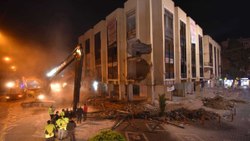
(77, 57)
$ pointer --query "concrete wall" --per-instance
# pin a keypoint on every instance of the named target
(199, 33)
(149, 16)
(180, 15)
(101, 27)
(191, 28)
(211, 74)
(142, 10)
(118, 15)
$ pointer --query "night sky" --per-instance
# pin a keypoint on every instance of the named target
(50, 21)
(57, 24)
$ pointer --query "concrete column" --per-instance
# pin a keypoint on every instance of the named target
(122, 92)
(110, 90)
(130, 92)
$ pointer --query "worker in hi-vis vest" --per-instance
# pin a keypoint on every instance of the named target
(49, 131)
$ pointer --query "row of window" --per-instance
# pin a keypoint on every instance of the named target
(131, 34)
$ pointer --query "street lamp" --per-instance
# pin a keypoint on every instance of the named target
(10, 84)
(7, 59)
(13, 68)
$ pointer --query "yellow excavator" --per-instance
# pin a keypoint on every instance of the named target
(77, 57)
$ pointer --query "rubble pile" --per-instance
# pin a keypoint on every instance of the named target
(185, 115)
(108, 109)
(218, 102)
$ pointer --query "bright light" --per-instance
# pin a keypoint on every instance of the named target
(40, 97)
(228, 83)
(20, 95)
(7, 97)
(13, 68)
(52, 72)
(55, 70)
(55, 87)
(10, 84)
(244, 82)
(7, 59)
(64, 84)
(78, 51)
(95, 85)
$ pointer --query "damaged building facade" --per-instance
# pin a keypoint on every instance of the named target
(147, 48)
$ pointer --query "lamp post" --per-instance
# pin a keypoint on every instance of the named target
(6, 59)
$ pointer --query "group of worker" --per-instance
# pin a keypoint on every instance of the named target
(63, 124)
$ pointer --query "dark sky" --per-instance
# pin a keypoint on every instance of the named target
(57, 24)
(60, 22)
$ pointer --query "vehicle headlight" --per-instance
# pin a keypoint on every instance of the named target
(20, 95)
(40, 97)
(7, 97)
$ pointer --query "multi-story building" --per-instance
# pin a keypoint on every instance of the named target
(147, 48)
(212, 60)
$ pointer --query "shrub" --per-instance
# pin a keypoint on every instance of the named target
(162, 104)
(108, 135)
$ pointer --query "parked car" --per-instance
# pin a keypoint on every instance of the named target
(14, 94)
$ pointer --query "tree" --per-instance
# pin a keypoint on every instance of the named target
(238, 57)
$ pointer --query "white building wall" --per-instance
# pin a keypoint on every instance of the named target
(192, 38)
(180, 15)
(158, 45)
(209, 71)
(119, 16)
(142, 11)
(150, 30)
(101, 27)
(199, 33)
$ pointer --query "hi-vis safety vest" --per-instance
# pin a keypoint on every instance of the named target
(62, 123)
(62, 114)
(51, 111)
(49, 130)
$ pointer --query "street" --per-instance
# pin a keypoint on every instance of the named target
(17, 123)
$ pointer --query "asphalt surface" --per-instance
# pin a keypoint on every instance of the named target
(17, 123)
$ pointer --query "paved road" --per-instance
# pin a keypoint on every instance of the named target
(17, 123)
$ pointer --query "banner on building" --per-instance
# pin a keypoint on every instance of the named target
(193, 31)
(170, 89)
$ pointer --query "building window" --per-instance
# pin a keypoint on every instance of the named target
(112, 49)
(183, 50)
(98, 56)
(193, 55)
(219, 67)
(136, 90)
(169, 45)
(215, 61)
(98, 48)
(88, 58)
(131, 25)
(210, 54)
(87, 46)
(201, 57)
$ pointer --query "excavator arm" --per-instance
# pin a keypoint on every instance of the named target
(77, 57)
